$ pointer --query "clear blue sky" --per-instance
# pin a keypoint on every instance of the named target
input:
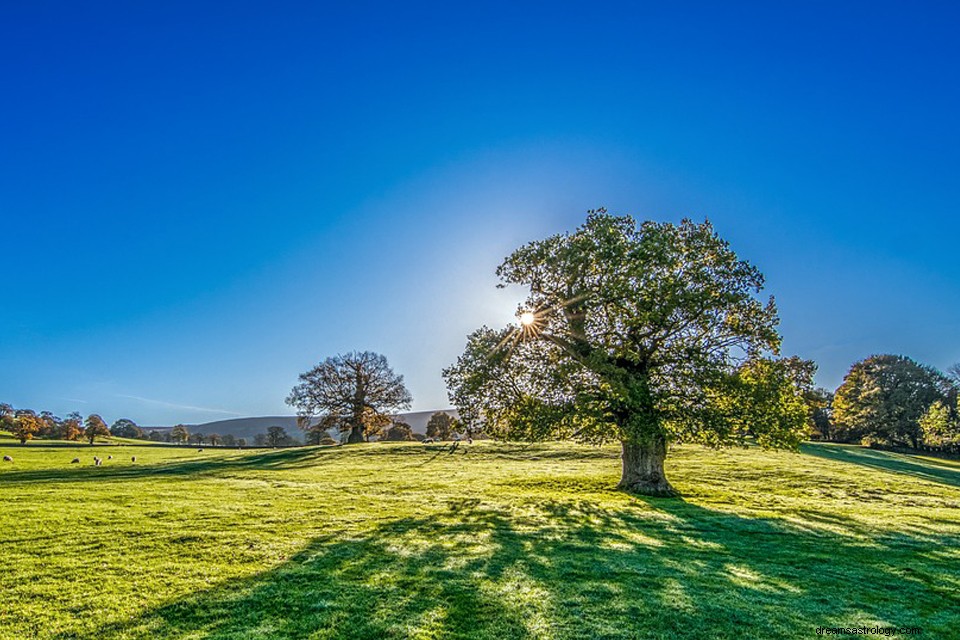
(201, 200)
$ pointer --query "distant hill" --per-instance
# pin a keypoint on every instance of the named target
(249, 427)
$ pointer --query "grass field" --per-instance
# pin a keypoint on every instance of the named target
(500, 541)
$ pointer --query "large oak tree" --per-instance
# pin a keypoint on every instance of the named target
(637, 334)
(355, 392)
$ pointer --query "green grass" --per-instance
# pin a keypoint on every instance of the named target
(506, 541)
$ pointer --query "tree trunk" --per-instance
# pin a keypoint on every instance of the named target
(356, 435)
(643, 468)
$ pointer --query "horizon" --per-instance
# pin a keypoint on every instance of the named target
(202, 204)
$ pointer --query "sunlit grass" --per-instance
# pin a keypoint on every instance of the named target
(503, 541)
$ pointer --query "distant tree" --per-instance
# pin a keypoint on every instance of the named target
(627, 333)
(821, 402)
(214, 439)
(764, 400)
(882, 398)
(954, 372)
(179, 434)
(939, 426)
(399, 432)
(260, 440)
(126, 428)
(241, 442)
(441, 426)
(25, 425)
(95, 426)
(276, 436)
(50, 425)
(71, 427)
(229, 440)
(357, 390)
(197, 438)
(155, 436)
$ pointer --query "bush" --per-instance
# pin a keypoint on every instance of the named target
(328, 441)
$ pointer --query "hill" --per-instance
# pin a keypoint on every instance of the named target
(249, 427)
(402, 540)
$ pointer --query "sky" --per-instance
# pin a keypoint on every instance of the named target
(199, 201)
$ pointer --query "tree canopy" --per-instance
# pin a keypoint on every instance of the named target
(355, 392)
(441, 426)
(95, 426)
(630, 333)
(883, 397)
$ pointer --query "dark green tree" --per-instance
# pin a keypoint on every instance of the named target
(357, 391)
(277, 436)
(441, 426)
(126, 428)
(883, 397)
(94, 427)
(399, 432)
(179, 434)
(630, 333)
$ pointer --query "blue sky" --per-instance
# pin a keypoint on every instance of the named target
(201, 200)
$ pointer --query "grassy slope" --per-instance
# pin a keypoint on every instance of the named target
(396, 540)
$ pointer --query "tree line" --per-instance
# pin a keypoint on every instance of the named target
(892, 400)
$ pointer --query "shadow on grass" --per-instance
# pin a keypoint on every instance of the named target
(659, 568)
(887, 461)
(85, 472)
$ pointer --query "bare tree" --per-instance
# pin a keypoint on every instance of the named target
(355, 392)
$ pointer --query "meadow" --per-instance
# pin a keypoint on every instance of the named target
(494, 541)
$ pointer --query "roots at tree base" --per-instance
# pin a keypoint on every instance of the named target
(643, 468)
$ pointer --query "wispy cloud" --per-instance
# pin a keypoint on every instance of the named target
(75, 400)
(174, 405)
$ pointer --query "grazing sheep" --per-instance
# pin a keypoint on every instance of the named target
(97, 461)
(428, 441)
(109, 457)
(75, 461)
(200, 450)
(7, 459)
(133, 458)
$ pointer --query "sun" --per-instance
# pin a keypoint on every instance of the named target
(527, 318)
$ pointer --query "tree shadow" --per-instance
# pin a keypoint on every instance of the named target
(887, 461)
(654, 568)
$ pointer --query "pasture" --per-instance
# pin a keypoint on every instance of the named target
(494, 541)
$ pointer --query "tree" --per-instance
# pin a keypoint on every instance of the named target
(628, 334)
(214, 439)
(260, 440)
(197, 438)
(765, 400)
(954, 372)
(356, 392)
(822, 405)
(126, 428)
(71, 427)
(399, 432)
(50, 425)
(179, 434)
(441, 426)
(229, 440)
(277, 436)
(883, 397)
(155, 436)
(939, 426)
(241, 442)
(25, 425)
(95, 426)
